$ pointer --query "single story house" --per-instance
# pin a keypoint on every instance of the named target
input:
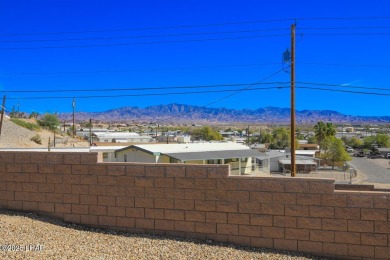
(280, 161)
(238, 156)
(120, 137)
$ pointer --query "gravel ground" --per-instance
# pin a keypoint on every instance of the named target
(14, 136)
(47, 238)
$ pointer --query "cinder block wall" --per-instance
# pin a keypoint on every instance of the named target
(199, 201)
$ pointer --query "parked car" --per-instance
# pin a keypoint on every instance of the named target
(388, 155)
(375, 156)
(359, 154)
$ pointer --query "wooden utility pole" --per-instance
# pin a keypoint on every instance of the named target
(293, 167)
(74, 127)
(2, 115)
(90, 131)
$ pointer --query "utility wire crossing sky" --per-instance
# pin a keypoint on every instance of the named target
(214, 54)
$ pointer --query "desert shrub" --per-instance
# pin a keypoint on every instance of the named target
(30, 126)
(36, 138)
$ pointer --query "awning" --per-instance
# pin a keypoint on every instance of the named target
(210, 155)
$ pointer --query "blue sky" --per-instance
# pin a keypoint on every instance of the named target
(51, 45)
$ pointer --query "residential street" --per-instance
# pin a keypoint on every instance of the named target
(372, 170)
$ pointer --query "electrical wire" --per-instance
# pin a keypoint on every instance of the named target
(148, 28)
(146, 69)
(340, 85)
(344, 34)
(144, 43)
(346, 65)
(344, 28)
(346, 91)
(145, 36)
(136, 89)
(200, 25)
(190, 68)
(144, 94)
(247, 88)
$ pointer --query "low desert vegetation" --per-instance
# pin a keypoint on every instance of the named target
(28, 125)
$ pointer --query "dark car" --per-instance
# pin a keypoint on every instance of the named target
(375, 156)
(359, 154)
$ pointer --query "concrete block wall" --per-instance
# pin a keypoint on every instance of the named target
(199, 201)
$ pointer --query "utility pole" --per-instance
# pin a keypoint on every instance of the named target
(74, 127)
(90, 131)
(2, 114)
(293, 167)
(247, 136)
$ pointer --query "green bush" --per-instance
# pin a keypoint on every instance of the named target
(30, 126)
(36, 138)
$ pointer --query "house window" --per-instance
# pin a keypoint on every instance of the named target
(105, 155)
(214, 161)
(244, 159)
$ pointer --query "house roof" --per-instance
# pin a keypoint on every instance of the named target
(305, 152)
(116, 135)
(198, 151)
(187, 148)
(208, 155)
(298, 162)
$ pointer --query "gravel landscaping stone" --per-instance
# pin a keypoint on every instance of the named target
(30, 236)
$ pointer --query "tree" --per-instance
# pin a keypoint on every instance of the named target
(207, 133)
(382, 140)
(50, 121)
(353, 142)
(33, 115)
(322, 131)
(280, 138)
(335, 151)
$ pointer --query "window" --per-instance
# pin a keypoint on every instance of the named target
(105, 155)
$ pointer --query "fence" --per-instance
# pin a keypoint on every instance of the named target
(199, 201)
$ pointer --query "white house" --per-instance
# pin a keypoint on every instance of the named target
(238, 156)
(280, 161)
(121, 137)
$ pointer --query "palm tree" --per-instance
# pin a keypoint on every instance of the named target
(322, 131)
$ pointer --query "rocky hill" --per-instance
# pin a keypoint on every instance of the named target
(15, 136)
(195, 114)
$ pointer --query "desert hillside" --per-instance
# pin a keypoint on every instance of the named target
(15, 136)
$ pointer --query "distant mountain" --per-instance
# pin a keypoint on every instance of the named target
(194, 114)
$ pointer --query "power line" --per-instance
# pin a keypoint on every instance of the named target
(143, 95)
(145, 69)
(346, 65)
(149, 28)
(200, 25)
(345, 34)
(347, 18)
(190, 68)
(144, 43)
(134, 89)
(347, 91)
(247, 88)
(341, 85)
(344, 28)
(145, 36)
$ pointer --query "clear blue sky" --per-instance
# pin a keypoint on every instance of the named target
(167, 43)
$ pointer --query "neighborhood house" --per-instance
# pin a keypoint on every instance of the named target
(238, 156)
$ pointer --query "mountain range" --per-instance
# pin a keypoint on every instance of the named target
(180, 113)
